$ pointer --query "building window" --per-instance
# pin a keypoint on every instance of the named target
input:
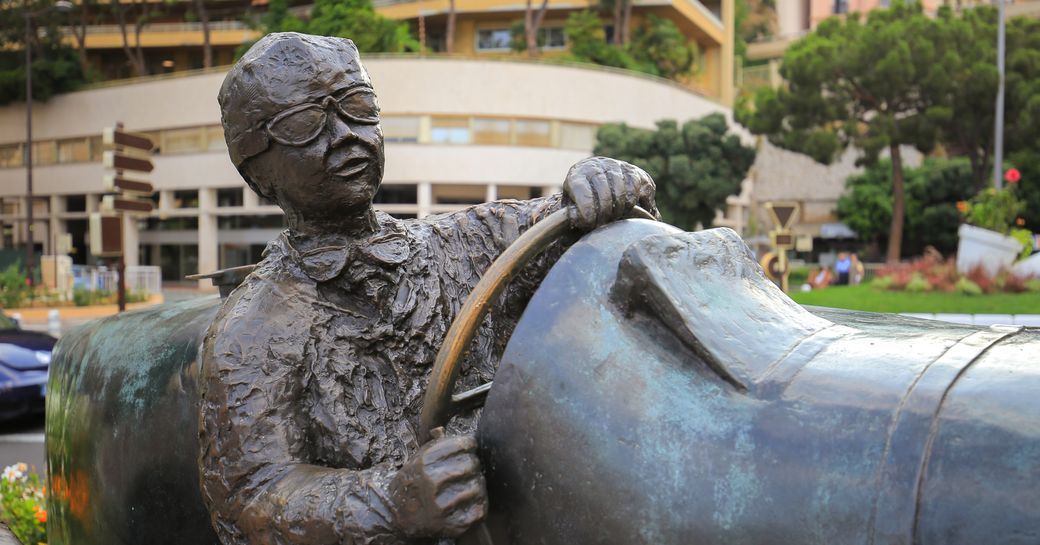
(76, 203)
(494, 39)
(262, 221)
(186, 199)
(533, 133)
(190, 223)
(215, 138)
(491, 131)
(841, 6)
(397, 194)
(580, 136)
(229, 196)
(97, 147)
(11, 155)
(184, 140)
(449, 130)
(552, 38)
(74, 150)
(45, 153)
(400, 128)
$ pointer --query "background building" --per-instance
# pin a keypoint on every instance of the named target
(458, 131)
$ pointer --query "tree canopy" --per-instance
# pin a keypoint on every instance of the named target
(696, 165)
(354, 19)
(55, 66)
(876, 83)
(657, 47)
(932, 191)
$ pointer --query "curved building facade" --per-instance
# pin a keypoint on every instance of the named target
(458, 131)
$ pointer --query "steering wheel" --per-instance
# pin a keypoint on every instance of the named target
(439, 404)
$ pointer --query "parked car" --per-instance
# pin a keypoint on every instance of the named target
(25, 357)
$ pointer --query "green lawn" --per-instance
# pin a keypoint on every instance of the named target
(873, 300)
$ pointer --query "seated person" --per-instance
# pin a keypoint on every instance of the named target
(314, 370)
(820, 278)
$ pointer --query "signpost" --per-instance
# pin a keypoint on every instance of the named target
(126, 151)
(782, 238)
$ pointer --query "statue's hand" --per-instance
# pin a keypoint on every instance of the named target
(601, 190)
(440, 491)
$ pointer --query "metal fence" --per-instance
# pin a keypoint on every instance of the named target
(142, 279)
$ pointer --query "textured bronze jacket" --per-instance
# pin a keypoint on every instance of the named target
(315, 368)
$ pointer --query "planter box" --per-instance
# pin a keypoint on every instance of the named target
(989, 249)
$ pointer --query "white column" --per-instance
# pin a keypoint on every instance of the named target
(57, 226)
(425, 199)
(250, 200)
(208, 247)
(131, 241)
(492, 193)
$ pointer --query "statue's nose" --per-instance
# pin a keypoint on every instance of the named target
(340, 130)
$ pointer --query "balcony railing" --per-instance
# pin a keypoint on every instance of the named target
(171, 27)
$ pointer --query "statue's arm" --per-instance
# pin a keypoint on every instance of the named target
(258, 479)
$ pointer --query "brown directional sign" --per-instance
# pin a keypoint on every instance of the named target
(120, 161)
(106, 234)
(783, 213)
(119, 204)
(115, 184)
(115, 137)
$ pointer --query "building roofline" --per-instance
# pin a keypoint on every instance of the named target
(416, 56)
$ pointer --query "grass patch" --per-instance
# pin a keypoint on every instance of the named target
(867, 298)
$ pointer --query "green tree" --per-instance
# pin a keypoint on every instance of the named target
(876, 84)
(932, 192)
(55, 66)
(658, 46)
(358, 20)
(696, 166)
(354, 19)
(966, 121)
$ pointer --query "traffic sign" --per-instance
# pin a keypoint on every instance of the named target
(115, 184)
(106, 234)
(783, 213)
(122, 161)
(774, 267)
(114, 136)
(781, 239)
(112, 203)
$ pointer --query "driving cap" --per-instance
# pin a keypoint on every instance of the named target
(281, 70)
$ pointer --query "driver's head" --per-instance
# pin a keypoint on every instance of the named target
(302, 126)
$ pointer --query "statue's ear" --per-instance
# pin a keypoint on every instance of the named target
(708, 291)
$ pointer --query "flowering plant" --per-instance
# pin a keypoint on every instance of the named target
(993, 209)
(23, 504)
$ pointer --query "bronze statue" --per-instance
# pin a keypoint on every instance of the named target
(314, 370)
(657, 390)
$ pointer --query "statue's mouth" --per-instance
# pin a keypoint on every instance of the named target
(352, 166)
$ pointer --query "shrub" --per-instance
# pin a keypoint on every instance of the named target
(967, 287)
(917, 283)
(1033, 285)
(882, 283)
(13, 290)
(23, 504)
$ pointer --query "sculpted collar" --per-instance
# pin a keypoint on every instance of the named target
(327, 262)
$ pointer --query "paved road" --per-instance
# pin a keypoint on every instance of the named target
(22, 441)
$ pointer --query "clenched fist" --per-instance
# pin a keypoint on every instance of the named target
(440, 491)
(601, 190)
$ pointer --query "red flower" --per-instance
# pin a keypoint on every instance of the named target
(1012, 175)
(1020, 221)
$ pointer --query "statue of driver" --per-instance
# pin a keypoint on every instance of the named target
(315, 368)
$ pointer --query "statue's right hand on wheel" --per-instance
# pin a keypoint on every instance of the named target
(599, 190)
(440, 491)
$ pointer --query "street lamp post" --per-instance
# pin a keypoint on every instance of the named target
(998, 128)
(60, 5)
